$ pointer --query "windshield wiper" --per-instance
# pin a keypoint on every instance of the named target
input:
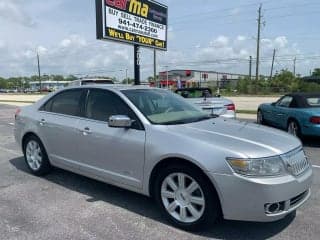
(191, 120)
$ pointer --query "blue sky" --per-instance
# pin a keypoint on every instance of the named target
(203, 34)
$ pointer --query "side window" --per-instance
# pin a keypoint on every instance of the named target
(294, 103)
(285, 102)
(102, 104)
(47, 106)
(67, 102)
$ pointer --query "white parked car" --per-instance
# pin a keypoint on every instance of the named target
(204, 98)
(90, 81)
(196, 165)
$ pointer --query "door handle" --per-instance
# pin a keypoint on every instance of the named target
(42, 122)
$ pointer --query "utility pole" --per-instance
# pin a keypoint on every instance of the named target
(258, 47)
(294, 66)
(127, 76)
(273, 58)
(39, 72)
(155, 66)
(250, 68)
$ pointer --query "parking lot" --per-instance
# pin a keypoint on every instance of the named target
(63, 205)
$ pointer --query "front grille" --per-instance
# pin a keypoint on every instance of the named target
(298, 199)
(296, 162)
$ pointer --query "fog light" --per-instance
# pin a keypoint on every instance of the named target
(273, 208)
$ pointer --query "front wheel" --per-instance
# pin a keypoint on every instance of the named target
(260, 119)
(186, 197)
(36, 156)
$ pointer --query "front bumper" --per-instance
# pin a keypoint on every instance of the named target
(245, 198)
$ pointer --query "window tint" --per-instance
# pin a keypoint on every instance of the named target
(294, 103)
(102, 104)
(47, 106)
(67, 102)
(285, 102)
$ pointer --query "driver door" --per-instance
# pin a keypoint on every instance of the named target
(281, 111)
(114, 154)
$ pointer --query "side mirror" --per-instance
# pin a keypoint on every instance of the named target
(120, 121)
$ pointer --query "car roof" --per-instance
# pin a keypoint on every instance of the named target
(116, 87)
(306, 95)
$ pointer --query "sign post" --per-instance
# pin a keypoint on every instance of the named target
(136, 64)
(142, 23)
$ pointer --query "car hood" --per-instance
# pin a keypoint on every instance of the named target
(243, 139)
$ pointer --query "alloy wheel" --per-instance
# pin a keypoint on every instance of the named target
(34, 155)
(182, 197)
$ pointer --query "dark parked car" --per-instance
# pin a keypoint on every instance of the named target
(298, 113)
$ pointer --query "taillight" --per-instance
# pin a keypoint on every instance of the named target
(231, 107)
(315, 120)
(17, 113)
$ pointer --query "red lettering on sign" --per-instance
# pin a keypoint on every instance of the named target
(121, 4)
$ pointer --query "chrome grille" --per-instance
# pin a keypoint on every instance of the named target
(296, 162)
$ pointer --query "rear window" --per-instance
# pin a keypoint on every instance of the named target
(313, 101)
(195, 93)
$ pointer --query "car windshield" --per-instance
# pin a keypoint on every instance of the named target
(164, 107)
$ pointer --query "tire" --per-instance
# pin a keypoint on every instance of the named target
(191, 212)
(36, 156)
(260, 119)
(294, 129)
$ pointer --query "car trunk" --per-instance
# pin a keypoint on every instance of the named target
(211, 105)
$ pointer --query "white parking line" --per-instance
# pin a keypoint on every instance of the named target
(316, 166)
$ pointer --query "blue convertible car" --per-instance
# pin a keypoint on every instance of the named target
(298, 113)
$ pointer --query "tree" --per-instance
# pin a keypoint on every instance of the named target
(316, 72)
(127, 80)
(3, 83)
(285, 81)
(57, 78)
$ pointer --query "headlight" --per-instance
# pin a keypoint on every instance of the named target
(272, 166)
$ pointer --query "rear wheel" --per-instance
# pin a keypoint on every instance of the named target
(294, 128)
(186, 197)
(36, 156)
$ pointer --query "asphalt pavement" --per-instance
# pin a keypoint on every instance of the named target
(64, 205)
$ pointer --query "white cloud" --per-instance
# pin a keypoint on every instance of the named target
(73, 41)
(241, 38)
(220, 42)
(281, 42)
(12, 10)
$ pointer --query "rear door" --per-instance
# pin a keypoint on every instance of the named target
(114, 154)
(58, 119)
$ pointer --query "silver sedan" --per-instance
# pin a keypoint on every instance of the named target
(197, 166)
